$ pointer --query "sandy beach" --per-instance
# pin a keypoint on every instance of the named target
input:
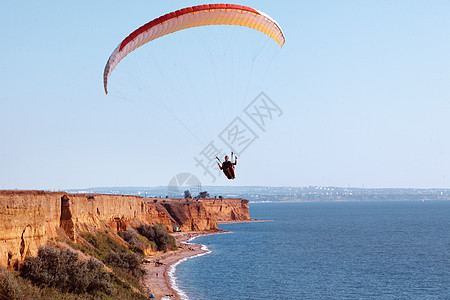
(157, 267)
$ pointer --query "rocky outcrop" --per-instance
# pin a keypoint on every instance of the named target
(28, 219)
(189, 215)
(228, 209)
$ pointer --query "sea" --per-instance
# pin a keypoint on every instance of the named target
(332, 250)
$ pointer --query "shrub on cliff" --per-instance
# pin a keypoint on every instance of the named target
(126, 261)
(114, 254)
(137, 242)
(203, 195)
(63, 270)
(103, 244)
(157, 234)
(131, 237)
(9, 287)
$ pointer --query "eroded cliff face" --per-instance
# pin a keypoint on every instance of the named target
(28, 219)
(228, 209)
(189, 215)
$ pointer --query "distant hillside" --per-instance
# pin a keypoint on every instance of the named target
(281, 194)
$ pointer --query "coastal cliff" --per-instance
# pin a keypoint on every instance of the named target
(28, 219)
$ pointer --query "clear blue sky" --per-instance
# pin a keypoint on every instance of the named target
(364, 87)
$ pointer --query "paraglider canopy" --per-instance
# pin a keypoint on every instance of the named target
(195, 16)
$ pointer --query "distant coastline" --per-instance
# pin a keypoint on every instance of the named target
(291, 194)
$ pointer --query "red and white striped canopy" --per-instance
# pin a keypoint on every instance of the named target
(201, 15)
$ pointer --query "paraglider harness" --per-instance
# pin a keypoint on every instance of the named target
(227, 167)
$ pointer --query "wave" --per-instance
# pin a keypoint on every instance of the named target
(173, 268)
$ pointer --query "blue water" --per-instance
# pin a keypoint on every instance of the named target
(358, 250)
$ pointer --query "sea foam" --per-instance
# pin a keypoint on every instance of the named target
(173, 268)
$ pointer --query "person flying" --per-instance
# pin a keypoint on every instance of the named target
(228, 167)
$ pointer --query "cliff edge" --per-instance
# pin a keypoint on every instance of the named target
(28, 219)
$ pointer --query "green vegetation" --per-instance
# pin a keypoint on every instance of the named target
(125, 264)
(159, 236)
(113, 254)
(25, 289)
(63, 274)
(203, 195)
(63, 270)
(136, 241)
(101, 245)
(9, 287)
(187, 194)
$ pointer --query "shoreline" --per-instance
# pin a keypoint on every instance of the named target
(159, 278)
(245, 221)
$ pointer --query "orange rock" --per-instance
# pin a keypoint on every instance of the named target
(28, 219)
